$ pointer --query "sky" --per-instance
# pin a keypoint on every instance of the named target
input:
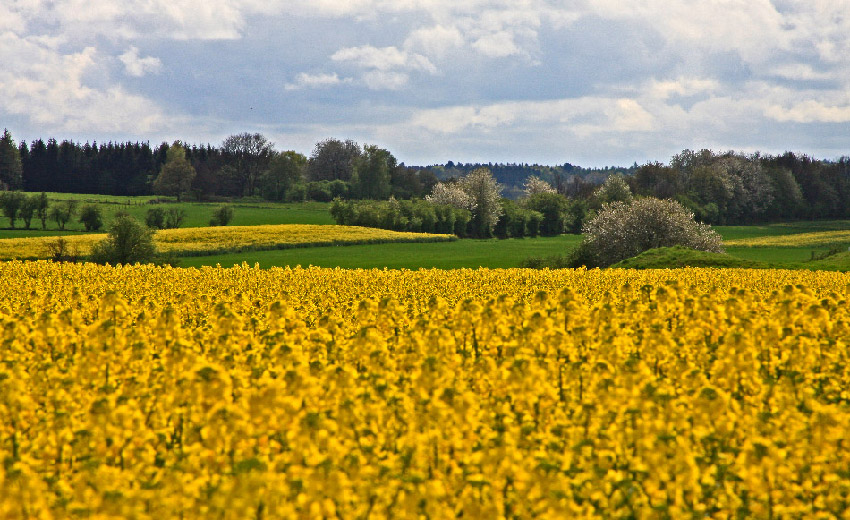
(589, 82)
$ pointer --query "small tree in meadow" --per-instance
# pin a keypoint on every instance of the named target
(63, 212)
(128, 242)
(91, 217)
(222, 216)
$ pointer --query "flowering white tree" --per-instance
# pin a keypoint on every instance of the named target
(534, 185)
(486, 193)
(450, 194)
(477, 192)
(621, 230)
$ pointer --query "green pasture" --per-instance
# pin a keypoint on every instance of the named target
(245, 213)
(470, 253)
(462, 253)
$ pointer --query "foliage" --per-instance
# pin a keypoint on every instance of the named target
(450, 194)
(174, 217)
(517, 221)
(11, 169)
(176, 175)
(128, 242)
(11, 203)
(91, 217)
(485, 193)
(371, 173)
(155, 218)
(41, 205)
(402, 215)
(614, 189)
(534, 185)
(62, 212)
(60, 250)
(222, 216)
(307, 393)
(333, 159)
(555, 209)
(620, 231)
(248, 156)
(286, 170)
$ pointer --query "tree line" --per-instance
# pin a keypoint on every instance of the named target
(719, 187)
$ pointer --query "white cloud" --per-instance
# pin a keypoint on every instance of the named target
(48, 89)
(137, 66)
(384, 58)
(497, 45)
(304, 80)
(385, 80)
(810, 111)
(586, 115)
(434, 41)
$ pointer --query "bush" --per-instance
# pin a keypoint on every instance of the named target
(155, 218)
(222, 216)
(61, 251)
(91, 217)
(11, 202)
(621, 231)
(174, 218)
(129, 242)
(62, 212)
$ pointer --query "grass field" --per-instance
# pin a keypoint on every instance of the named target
(443, 255)
(463, 253)
(245, 213)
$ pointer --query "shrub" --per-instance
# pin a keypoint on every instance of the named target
(620, 231)
(62, 212)
(91, 217)
(174, 217)
(129, 242)
(222, 216)
(155, 218)
(61, 251)
(11, 202)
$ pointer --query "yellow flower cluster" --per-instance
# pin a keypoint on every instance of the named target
(145, 392)
(210, 240)
(813, 239)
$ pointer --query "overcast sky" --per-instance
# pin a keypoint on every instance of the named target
(590, 82)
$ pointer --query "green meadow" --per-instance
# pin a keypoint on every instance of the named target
(466, 253)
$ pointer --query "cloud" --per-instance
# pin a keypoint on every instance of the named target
(48, 88)
(384, 58)
(434, 41)
(385, 80)
(810, 111)
(136, 66)
(304, 80)
(585, 115)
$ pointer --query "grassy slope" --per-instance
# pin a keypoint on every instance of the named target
(672, 257)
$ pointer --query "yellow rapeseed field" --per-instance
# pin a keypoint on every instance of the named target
(813, 239)
(210, 240)
(158, 393)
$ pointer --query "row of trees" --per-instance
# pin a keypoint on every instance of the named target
(243, 165)
(720, 188)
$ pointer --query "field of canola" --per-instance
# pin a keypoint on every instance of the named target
(813, 239)
(143, 392)
(210, 240)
